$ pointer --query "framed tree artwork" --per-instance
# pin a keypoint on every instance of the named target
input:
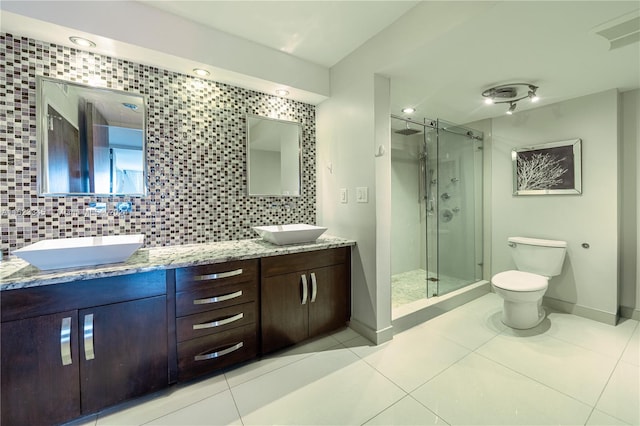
(550, 168)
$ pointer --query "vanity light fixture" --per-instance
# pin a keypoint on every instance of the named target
(408, 110)
(201, 72)
(510, 94)
(282, 92)
(82, 41)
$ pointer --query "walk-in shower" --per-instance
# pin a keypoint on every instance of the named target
(436, 193)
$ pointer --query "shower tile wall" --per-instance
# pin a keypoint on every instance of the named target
(195, 154)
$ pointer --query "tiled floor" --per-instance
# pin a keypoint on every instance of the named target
(461, 368)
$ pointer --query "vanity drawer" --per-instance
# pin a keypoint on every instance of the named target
(287, 263)
(215, 297)
(206, 276)
(215, 351)
(216, 321)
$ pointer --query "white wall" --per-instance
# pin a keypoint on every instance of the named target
(630, 187)
(345, 155)
(588, 284)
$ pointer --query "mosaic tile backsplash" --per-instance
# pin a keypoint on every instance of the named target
(196, 154)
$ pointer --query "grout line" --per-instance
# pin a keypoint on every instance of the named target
(611, 375)
(534, 379)
(284, 351)
(235, 404)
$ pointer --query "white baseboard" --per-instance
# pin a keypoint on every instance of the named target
(376, 336)
(632, 313)
(581, 311)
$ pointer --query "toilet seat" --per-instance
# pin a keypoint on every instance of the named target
(520, 281)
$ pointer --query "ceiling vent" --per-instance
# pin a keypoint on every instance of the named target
(621, 31)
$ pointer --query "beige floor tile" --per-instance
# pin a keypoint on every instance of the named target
(621, 397)
(408, 412)
(478, 391)
(331, 387)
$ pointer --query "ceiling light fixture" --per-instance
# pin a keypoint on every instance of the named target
(201, 72)
(408, 110)
(510, 94)
(82, 41)
(132, 107)
(282, 92)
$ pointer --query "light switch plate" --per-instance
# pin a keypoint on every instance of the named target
(344, 196)
(362, 194)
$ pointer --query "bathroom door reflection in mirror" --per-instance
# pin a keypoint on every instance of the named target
(90, 140)
(273, 156)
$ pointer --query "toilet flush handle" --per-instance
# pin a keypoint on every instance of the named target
(512, 244)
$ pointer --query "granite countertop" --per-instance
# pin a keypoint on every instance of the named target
(16, 273)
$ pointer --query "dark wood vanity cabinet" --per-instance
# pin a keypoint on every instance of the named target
(72, 349)
(304, 295)
(216, 316)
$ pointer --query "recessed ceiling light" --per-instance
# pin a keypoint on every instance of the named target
(282, 92)
(201, 72)
(82, 42)
(408, 110)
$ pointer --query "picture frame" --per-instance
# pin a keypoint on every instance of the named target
(553, 168)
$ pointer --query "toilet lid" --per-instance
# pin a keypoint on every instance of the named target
(519, 281)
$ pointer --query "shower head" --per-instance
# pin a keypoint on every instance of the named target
(407, 131)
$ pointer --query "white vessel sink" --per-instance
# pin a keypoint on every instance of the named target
(85, 251)
(290, 234)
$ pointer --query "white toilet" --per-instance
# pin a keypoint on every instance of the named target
(522, 290)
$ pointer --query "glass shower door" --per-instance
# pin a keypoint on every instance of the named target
(459, 207)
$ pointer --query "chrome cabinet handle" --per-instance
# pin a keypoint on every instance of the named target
(217, 298)
(65, 341)
(88, 337)
(305, 291)
(212, 355)
(314, 287)
(218, 275)
(218, 323)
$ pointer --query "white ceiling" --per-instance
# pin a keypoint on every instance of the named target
(322, 32)
(441, 70)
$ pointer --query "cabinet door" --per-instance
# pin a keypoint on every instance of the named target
(123, 350)
(285, 314)
(39, 370)
(328, 298)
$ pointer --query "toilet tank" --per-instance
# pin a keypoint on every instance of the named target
(542, 257)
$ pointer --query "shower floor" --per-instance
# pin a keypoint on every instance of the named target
(407, 287)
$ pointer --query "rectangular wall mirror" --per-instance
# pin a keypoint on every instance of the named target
(90, 140)
(273, 156)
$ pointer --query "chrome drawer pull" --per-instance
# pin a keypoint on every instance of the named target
(88, 337)
(213, 355)
(218, 275)
(305, 291)
(314, 287)
(65, 341)
(217, 298)
(218, 323)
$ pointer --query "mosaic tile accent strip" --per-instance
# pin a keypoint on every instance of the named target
(196, 156)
